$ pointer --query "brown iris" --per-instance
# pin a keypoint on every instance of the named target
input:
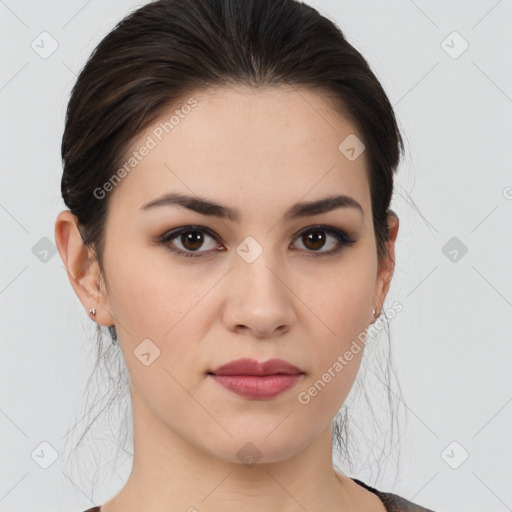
(192, 240)
(317, 238)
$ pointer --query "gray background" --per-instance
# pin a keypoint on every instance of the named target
(452, 343)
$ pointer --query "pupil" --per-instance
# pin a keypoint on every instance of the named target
(315, 238)
(192, 240)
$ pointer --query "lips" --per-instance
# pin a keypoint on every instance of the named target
(253, 367)
(257, 381)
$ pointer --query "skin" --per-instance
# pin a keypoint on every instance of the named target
(260, 151)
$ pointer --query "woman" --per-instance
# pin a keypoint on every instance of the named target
(228, 169)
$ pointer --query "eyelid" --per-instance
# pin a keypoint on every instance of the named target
(344, 237)
(175, 233)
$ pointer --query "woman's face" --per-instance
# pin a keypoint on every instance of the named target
(264, 285)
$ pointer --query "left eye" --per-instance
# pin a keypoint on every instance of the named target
(192, 238)
(316, 240)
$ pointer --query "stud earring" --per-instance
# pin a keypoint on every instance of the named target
(92, 311)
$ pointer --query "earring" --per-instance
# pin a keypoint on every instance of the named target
(373, 312)
(92, 311)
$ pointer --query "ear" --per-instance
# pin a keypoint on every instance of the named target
(82, 268)
(387, 265)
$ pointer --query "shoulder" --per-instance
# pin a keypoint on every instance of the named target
(393, 502)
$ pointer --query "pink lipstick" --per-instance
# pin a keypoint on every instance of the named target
(252, 379)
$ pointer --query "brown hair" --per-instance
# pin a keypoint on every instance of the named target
(169, 48)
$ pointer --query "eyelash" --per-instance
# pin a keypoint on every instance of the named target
(343, 238)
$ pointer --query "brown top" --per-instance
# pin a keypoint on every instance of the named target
(391, 502)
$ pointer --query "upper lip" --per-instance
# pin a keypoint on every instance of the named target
(252, 367)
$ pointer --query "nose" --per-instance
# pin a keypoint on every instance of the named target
(259, 300)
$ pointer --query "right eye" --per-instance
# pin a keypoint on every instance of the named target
(191, 239)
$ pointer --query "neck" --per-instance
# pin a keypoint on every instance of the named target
(169, 473)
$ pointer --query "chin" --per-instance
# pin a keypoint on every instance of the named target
(249, 450)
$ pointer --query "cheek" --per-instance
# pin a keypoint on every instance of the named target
(148, 295)
(343, 303)
(337, 335)
(172, 309)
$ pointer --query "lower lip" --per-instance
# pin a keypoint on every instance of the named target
(258, 387)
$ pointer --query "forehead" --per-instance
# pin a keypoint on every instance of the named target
(274, 144)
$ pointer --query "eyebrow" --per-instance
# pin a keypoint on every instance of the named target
(211, 208)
